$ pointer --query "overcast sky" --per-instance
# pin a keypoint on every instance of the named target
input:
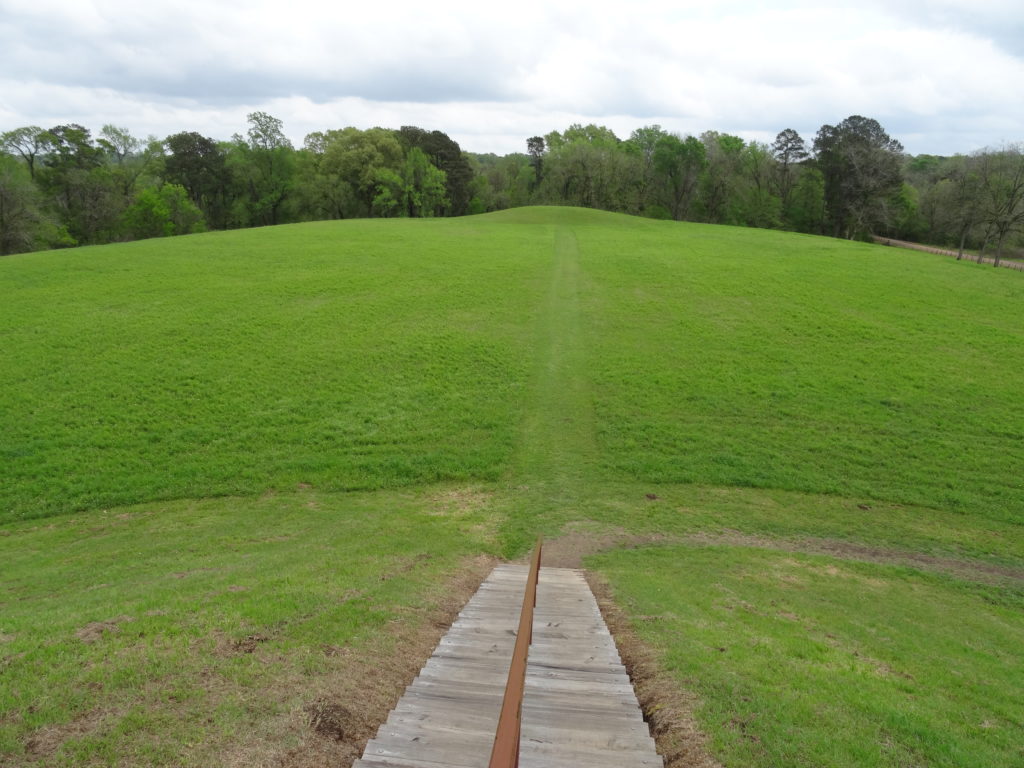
(942, 77)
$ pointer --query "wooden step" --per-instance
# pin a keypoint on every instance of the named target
(579, 708)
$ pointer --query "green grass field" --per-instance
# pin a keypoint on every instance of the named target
(221, 454)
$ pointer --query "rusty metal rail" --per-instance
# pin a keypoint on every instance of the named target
(505, 753)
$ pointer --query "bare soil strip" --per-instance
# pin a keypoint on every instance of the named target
(1008, 263)
(969, 570)
(576, 543)
(667, 708)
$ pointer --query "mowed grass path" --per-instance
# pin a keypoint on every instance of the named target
(814, 429)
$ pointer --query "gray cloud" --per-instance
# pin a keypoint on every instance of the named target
(168, 61)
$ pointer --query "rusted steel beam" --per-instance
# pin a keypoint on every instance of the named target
(505, 753)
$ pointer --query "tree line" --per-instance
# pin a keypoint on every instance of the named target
(61, 186)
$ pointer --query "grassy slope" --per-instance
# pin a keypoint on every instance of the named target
(806, 660)
(346, 357)
(793, 362)
(194, 632)
(781, 386)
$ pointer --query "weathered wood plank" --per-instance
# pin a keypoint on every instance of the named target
(578, 709)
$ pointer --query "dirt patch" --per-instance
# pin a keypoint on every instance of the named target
(43, 743)
(331, 719)
(186, 574)
(95, 630)
(334, 714)
(576, 543)
(972, 570)
(334, 650)
(247, 644)
(667, 708)
(6, 661)
(406, 567)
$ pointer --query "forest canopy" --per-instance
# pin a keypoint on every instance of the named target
(63, 186)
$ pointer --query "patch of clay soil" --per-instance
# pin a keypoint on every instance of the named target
(44, 742)
(247, 644)
(576, 543)
(973, 570)
(667, 708)
(342, 709)
(95, 630)
(331, 719)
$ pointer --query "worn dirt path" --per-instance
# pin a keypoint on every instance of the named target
(1009, 264)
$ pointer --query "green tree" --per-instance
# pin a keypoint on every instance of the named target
(70, 146)
(320, 192)
(24, 223)
(148, 216)
(905, 221)
(367, 163)
(761, 204)
(161, 213)
(504, 182)
(1002, 195)
(261, 169)
(27, 142)
(389, 194)
(805, 207)
(424, 189)
(861, 167)
(596, 135)
(587, 166)
(129, 159)
(789, 150)
(118, 143)
(198, 164)
(266, 132)
(84, 192)
(643, 144)
(679, 163)
(535, 149)
(719, 200)
(444, 154)
(964, 202)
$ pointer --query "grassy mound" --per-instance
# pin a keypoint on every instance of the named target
(222, 454)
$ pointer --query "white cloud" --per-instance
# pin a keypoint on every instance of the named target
(943, 73)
